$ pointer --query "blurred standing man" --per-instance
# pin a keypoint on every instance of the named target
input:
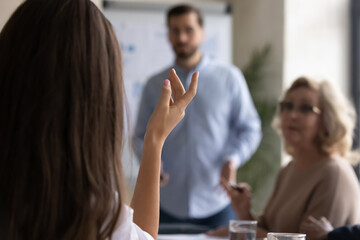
(220, 131)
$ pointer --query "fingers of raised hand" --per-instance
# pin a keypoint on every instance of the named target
(190, 94)
(166, 93)
(192, 88)
(176, 85)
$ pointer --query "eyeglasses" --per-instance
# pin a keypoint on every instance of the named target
(303, 108)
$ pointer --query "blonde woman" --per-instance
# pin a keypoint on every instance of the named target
(316, 123)
(61, 128)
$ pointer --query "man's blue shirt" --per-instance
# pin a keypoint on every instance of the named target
(220, 124)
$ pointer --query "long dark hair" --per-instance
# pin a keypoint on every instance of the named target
(61, 124)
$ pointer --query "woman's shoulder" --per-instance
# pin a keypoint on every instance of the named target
(336, 165)
(339, 170)
(332, 168)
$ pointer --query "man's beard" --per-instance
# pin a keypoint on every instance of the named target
(185, 55)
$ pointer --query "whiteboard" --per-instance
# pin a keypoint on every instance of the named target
(142, 34)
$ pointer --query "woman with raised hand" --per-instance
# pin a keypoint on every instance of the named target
(61, 130)
(316, 123)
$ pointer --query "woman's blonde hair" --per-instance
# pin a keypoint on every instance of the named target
(337, 113)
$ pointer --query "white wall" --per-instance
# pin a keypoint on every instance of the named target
(307, 37)
(317, 40)
(7, 7)
(98, 3)
(256, 23)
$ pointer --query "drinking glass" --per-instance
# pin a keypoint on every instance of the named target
(286, 236)
(242, 230)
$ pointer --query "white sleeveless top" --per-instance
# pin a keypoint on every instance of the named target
(128, 230)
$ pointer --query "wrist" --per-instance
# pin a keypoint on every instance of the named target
(153, 141)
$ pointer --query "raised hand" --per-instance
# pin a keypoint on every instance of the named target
(169, 111)
(166, 115)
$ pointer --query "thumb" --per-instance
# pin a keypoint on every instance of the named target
(165, 93)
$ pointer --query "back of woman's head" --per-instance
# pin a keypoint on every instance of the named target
(61, 98)
(337, 114)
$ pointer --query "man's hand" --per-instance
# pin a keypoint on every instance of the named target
(228, 172)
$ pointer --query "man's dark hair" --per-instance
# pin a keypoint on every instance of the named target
(184, 9)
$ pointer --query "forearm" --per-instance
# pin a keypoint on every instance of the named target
(164, 118)
(145, 201)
